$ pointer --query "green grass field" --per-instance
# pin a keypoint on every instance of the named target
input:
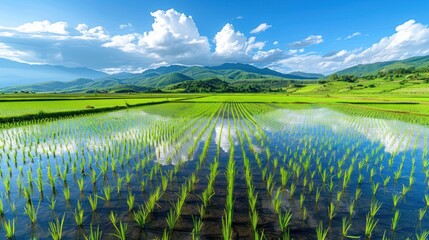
(13, 105)
(404, 85)
(17, 108)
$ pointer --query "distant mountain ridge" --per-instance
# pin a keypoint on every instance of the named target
(15, 73)
(307, 75)
(374, 68)
(15, 76)
(253, 69)
(161, 77)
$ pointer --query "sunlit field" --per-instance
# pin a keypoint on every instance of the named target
(18, 105)
(225, 120)
(216, 171)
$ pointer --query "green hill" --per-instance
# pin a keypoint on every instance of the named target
(162, 77)
(163, 80)
(374, 68)
(52, 86)
(218, 85)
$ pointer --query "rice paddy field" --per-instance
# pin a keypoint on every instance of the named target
(218, 170)
(14, 105)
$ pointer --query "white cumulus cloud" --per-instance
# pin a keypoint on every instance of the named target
(410, 39)
(56, 31)
(124, 26)
(269, 56)
(121, 69)
(355, 34)
(10, 53)
(126, 43)
(229, 42)
(40, 27)
(261, 28)
(95, 33)
(310, 40)
(174, 37)
(234, 45)
(37, 29)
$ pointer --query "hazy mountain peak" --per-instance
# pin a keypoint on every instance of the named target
(15, 73)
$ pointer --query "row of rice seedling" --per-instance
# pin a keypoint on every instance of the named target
(66, 165)
(173, 216)
(175, 212)
(386, 111)
(187, 187)
(251, 192)
(374, 170)
(209, 191)
(276, 200)
(205, 197)
(230, 173)
(338, 193)
(340, 175)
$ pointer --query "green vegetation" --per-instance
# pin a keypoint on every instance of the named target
(153, 80)
(404, 65)
(222, 165)
(56, 228)
(9, 228)
(398, 78)
(41, 105)
(242, 86)
(94, 234)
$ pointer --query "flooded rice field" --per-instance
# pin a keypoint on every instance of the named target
(215, 171)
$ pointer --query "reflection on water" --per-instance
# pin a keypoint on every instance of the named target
(289, 137)
(396, 136)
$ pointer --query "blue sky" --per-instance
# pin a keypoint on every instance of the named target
(114, 36)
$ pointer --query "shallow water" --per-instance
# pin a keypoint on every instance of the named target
(163, 138)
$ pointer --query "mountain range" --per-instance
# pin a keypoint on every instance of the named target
(148, 80)
(15, 73)
(374, 68)
(16, 76)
